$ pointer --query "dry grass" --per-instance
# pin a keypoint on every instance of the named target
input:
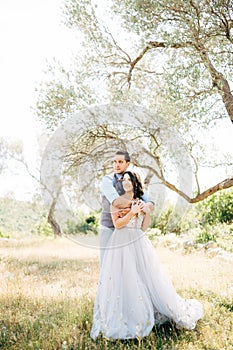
(48, 287)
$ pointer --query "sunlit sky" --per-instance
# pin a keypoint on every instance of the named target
(31, 34)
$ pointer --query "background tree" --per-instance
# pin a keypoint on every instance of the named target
(174, 58)
(12, 156)
(8, 151)
(194, 37)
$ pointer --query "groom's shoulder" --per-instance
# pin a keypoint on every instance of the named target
(107, 179)
(106, 182)
(109, 176)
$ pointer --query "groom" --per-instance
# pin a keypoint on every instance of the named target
(111, 189)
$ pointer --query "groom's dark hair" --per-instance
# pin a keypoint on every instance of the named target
(124, 153)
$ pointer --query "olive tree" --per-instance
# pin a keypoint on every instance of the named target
(174, 58)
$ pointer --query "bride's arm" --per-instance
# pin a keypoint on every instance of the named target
(119, 221)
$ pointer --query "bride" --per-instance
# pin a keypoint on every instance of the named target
(134, 293)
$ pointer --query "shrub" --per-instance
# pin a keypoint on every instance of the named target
(165, 223)
(84, 223)
(205, 236)
(217, 209)
(44, 228)
(3, 235)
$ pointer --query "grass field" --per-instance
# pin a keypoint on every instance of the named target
(48, 287)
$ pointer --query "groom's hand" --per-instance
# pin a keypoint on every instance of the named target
(148, 207)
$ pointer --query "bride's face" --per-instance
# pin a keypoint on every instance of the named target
(127, 184)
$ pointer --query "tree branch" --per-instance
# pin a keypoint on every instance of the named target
(219, 187)
(218, 79)
(227, 183)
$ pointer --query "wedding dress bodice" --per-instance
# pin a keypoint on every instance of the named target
(135, 222)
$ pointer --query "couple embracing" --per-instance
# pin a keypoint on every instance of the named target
(134, 293)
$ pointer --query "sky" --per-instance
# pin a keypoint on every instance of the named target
(31, 34)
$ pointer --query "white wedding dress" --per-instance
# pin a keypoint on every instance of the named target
(134, 293)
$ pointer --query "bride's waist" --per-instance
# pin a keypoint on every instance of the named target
(128, 229)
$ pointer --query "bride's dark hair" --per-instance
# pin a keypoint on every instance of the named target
(137, 184)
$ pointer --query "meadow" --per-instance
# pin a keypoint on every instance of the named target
(48, 287)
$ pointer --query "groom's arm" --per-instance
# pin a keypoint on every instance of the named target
(122, 202)
(109, 191)
(150, 205)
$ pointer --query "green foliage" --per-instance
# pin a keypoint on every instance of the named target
(165, 223)
(18, 217)
(161, 222)
(84, 223)
(173, 24)
(25, 218)
(44, 228)
(163, 62)
(3, 235)
(217, 209)
(62, 94)
(106, 60)
(57, 102)
(206, 235)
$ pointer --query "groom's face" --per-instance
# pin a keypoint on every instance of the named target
(120, 165)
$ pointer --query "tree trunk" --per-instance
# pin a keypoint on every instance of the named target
(52, 221)
(220, 82)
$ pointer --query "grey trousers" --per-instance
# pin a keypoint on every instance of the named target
(104, 235)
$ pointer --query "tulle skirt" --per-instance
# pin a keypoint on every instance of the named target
(134, 292)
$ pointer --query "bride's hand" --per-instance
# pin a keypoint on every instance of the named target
(137, 207)
(123, 212)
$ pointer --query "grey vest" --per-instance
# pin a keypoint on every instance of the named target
(106, 219)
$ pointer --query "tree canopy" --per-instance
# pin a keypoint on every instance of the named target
(183, 49)
(174, 58)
